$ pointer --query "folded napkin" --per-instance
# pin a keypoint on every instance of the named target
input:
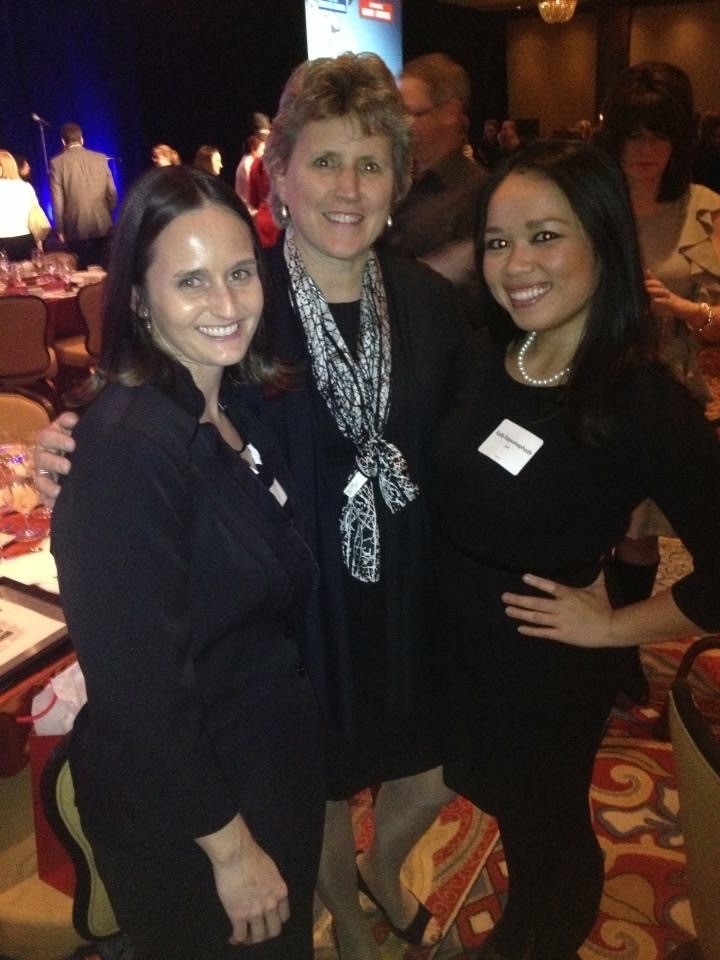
(51, 283)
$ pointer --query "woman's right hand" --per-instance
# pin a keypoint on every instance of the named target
(248, 883)
(52, 445)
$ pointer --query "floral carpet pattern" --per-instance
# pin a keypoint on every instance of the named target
(458, 868)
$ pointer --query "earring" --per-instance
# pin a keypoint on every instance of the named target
(284, 213)
(388, 222)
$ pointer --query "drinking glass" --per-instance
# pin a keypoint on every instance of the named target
(65, 272)
(4, 266)
(38, 259)
(20, 492)
(10, 442)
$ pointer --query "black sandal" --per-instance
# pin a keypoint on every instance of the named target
(413, 933)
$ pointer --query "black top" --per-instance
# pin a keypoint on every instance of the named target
(371, 648)
(528, 714)
(182, 580)
(571, 503)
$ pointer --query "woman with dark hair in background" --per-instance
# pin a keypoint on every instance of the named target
(197, 760)
(706, 167)
(649, 127)
(549, 444)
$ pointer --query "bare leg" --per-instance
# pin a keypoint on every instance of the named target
(337, 885)
(404, 810)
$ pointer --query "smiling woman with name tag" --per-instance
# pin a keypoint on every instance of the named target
(551, 441)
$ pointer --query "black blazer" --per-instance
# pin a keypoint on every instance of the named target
(182, 579)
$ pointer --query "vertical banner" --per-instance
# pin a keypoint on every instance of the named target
(334, 26)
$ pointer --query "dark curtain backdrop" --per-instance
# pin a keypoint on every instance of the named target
(135, 72)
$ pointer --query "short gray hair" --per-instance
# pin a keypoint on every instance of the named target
(357, 85)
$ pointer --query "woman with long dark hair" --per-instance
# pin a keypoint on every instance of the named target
(197, 759)
(551, 441)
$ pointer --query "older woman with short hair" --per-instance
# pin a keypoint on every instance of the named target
(376, 336)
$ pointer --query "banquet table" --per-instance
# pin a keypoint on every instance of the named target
(35, 901)
(64, 319)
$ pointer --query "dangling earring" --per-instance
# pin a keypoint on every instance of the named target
(144, 315)
(284, 213)
(388, 222)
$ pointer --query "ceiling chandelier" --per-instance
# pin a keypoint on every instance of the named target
(557, 11)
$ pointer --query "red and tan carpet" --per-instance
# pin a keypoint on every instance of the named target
(458, 869)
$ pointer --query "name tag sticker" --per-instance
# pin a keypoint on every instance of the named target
(356, 481)
(511, 446)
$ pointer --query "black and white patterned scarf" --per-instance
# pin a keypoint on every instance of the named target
(357, 394)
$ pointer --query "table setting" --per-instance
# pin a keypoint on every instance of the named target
(56, 284)
(24, 522)
(46, 278)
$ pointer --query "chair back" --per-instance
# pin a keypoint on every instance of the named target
(24, 352)
(61, 257)
(90, 305)
(697, 761)
(24, 412)
(93, 915)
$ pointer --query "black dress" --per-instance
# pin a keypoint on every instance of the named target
(528, 714)
(371, 648)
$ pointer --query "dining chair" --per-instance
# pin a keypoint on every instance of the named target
(24, 411)
(83, 350)
(93, 915)
(26, 359)
(696, 747)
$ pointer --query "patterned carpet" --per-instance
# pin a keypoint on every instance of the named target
(458, 869)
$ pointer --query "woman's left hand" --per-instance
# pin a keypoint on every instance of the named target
(579, 616)
(663, 302)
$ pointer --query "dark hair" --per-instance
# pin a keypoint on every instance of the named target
(203, 157)
(445, 79)
(658, 97)
(129, 353)
(619, 333)
(709, 123)
(354, 84)
(261, 121)
(70, 133)
(254, 141)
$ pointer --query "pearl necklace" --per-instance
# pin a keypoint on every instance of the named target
(529, 340)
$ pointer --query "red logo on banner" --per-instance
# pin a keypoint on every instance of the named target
(375, 10)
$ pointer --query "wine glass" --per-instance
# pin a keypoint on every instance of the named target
(38, 260)
(20, 492)
(65, 273)
(9, 443)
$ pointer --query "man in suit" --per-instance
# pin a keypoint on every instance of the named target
(83, 197)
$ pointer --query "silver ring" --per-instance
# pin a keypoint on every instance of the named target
(43, 473)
